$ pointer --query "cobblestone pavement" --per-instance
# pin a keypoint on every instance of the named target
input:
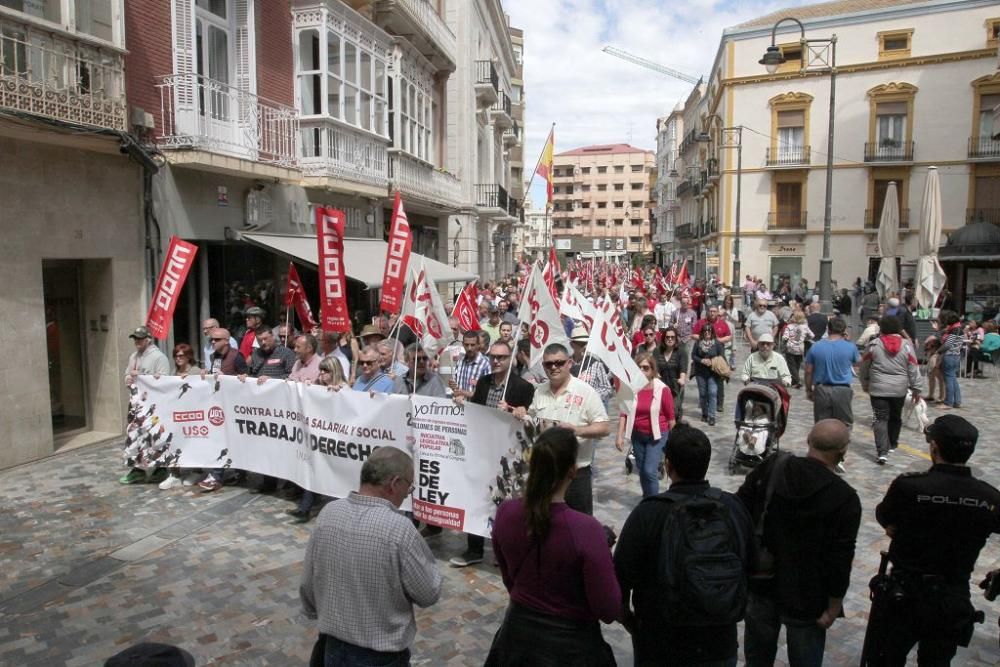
(88, 566)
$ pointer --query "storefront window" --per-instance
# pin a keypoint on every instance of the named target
(785, 268)
(982, 289)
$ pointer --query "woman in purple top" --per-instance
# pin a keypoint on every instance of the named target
(557, 567)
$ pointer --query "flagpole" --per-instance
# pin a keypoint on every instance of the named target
(517, 336)
(539, 161)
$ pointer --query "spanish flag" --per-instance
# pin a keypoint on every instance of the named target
(544, 168)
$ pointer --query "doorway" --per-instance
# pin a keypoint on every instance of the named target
(64, 336)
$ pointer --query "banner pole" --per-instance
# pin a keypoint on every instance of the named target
(288, 323)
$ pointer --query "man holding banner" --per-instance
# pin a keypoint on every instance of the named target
(146, 360)
(571, 403)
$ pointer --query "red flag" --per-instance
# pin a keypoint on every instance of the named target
(295, 295)
(682, 277)
(672, 276)
(550, 272)
(465, 309)
(180, 257)
(637, 280)
(397, 258)
(333, 290)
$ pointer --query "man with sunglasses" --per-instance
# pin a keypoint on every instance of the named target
(223, 357)
(371, 377)
(366, 566)
(419, 378)
(939, 520)
(209, 348)
(571, 403)
(503, 391)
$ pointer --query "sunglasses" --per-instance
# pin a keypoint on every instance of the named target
(368, 363)
(497, 357)
(555, 363)
(216, 340)
(647, 334)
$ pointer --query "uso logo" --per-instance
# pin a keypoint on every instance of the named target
(216, 417)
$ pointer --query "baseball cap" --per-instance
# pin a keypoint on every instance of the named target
(140, 332)
(954, 430)
(765, 338)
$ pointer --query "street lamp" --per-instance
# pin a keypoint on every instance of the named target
(732, 137)
(821, 52)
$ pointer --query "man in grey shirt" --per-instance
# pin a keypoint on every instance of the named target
(427, 382)
(366, 566)
(761, 321)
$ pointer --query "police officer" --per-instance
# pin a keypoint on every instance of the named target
(938, 520)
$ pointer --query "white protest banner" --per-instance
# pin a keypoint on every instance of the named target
(576, 306)
(449, 459)
(541, 312)
(319, 439)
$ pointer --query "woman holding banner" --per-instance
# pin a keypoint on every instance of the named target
(184, 364)
(557, 567)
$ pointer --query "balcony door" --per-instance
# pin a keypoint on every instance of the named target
(791, 136)
(219, 107)
(789, 199)
(890, 129)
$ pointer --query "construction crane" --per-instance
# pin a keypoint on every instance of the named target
(649, 64)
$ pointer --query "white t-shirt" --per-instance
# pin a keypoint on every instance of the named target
(663, 312)
(576, 404)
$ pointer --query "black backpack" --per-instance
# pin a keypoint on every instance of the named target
(700, 576)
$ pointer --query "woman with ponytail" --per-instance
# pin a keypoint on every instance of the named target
(557, 567)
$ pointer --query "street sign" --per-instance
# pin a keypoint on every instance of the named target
(712, 262)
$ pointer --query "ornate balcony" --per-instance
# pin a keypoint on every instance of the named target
(500, 112)
(332, 150)
(198, 112)
(873, 219)
(889, 150)
(52, 75)
(419, 21)
(487, 83)
(984, 147)
(786, 221)
(685, 231)
(797, 156)
(512, 135)
(415, 178)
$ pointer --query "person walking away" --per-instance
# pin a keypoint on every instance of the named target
(817, 321)
(795, 336)
(647, 420)
(331, 376)
(888, 369)
(571, 403)
(555, 564)
(939, 521)
(706, 349)
(147, 359)
(674, 368)
(659, 546)
(952, 342)
(366, 566)
(829, 373)
(500, 390)
(808, 518)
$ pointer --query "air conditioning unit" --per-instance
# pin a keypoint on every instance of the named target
(141, 118)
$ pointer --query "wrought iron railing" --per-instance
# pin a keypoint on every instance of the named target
(417, 178)
(685, 231)
(980, 147)
(778, 220)
(486, 74)
(502, 105)
(199, 112)
(889, 150)
(512, 135)
(873, 218)
(491, 195)
(787, 156)
(982, 215)
(48, 74)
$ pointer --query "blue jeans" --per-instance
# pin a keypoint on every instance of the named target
(648, 453)
(341, 654)
(806, 640)
(708, 394)
(950, 364)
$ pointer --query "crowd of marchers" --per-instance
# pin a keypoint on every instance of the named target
(691, 562)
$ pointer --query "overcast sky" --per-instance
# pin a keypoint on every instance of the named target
(594, 98)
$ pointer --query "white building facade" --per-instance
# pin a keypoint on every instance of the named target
(909, 94)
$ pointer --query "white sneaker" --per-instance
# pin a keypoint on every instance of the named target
(193, 478)
(882, 460)
(170, 482)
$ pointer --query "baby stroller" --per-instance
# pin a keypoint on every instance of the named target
(761, 412)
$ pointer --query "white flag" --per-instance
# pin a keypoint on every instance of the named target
(424, 313)
(576, 306)
(540, 311)
(609, 343)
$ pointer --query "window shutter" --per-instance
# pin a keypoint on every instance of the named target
(890, 109)
(791, 118)
(184, 53)
(246, 79)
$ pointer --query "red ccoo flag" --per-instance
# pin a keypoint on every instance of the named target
(397, 258)
(295, 295)
(465, 309)
(333, 314)
(177, 265)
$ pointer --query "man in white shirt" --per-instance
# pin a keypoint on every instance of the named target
(571, 403)
(664, 310)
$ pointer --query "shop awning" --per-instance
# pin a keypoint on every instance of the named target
(364, 259)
